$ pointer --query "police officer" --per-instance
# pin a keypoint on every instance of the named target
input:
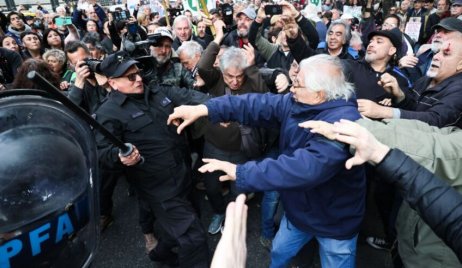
(138, 115)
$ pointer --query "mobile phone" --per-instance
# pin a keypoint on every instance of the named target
(63, 21)
(67, 20)
(273, 9)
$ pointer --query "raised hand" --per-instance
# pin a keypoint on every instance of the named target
(390, 84)
(231, 251)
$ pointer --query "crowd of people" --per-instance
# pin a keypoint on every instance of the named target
(249, 98)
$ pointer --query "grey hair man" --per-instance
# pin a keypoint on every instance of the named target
(236, 75)
(182, 28)
(337, 40)
(189, 54)
(335, 215)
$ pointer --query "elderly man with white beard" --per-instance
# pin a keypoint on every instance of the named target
(436, 99)
(167, 70)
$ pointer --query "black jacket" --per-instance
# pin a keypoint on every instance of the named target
(278, 59)
(437, 202)
(141, 120)
(10, 61)
(177, 43)
(439, 106)
(358, 72)
(89, 98)
(366, 79)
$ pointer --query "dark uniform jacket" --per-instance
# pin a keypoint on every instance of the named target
(141, 119)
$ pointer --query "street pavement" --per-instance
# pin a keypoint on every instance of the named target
(122, 244)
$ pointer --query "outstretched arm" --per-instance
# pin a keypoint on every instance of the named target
(185, 115)
(368, 148)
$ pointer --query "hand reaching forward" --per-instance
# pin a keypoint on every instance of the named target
(188, 114)
(212, 165)
(368, 148)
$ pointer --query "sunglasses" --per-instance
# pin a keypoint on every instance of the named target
(132, 77)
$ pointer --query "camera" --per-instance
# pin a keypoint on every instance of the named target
(93, 65)
(174, 12)
(273, 9)
(227, 14)
(119, 15)
(152, 40)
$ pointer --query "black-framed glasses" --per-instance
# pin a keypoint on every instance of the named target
(132, 77)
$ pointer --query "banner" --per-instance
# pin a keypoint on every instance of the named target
(317, 3)
(193, 5)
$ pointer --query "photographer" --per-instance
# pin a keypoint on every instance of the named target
(276, 54)
(86, 91)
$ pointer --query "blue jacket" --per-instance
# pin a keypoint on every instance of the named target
(319, 195)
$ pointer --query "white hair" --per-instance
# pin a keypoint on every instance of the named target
(355, 38)
(190, 48)
(180, 18)
(62, 8)
(324, 72)
(233, 57)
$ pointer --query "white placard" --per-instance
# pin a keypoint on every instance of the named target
(413, 28)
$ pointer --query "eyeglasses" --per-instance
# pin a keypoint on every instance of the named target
(132, 77)
(456, 5)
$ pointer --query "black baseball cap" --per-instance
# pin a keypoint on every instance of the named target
(115, 65)
(450, 24)
(394, 35)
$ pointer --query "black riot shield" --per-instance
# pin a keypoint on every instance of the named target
(48, 184)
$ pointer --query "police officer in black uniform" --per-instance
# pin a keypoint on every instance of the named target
(138, 115)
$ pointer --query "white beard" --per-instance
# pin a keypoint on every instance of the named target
(242, 33)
